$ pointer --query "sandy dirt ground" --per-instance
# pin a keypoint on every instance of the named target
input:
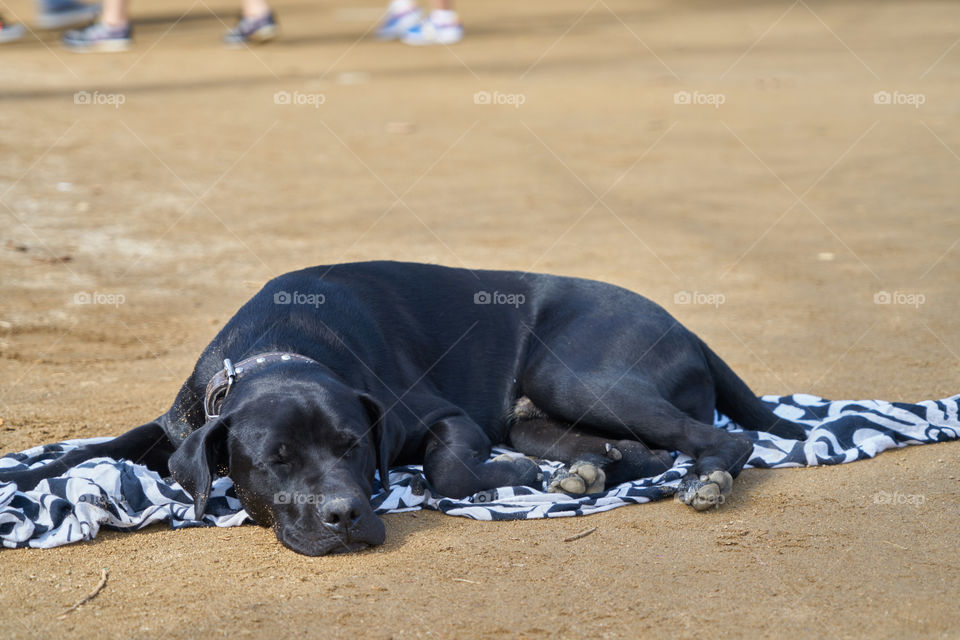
(783, 189)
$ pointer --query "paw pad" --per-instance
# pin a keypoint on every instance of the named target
(706, 491)
(580, 479)
(524, 409)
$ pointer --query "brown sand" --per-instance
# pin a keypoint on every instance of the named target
(798, 199)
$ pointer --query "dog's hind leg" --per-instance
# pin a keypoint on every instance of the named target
(631, 408)
(147, 445)
(593, 461)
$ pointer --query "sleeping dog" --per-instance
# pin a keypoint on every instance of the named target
(330, 375)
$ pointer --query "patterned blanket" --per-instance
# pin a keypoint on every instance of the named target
(118, 494)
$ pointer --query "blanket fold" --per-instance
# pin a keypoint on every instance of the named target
(118, 494)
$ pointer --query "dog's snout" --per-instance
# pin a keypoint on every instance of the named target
(340, 514)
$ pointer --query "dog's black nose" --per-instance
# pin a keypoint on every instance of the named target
(339, 514)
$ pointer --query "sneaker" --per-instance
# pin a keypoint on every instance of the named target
(401, 17)
(442, 27)
(262, 29)
(66, 13)
(10, 32)
(98, 37)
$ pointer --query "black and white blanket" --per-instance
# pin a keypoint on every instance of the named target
(121, 495)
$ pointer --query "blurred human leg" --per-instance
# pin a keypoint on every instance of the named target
(60, 14)
(112, 32)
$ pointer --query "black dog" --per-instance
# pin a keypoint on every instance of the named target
(330, 373)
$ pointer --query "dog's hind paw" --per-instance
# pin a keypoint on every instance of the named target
(580, 479)
(528, 471)
(705, 491)
(524, 409)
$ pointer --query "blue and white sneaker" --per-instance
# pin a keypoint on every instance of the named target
(401, 17)
(60, 14)
(252, 30)
(442, 27)
(10, 32)
(98, 37)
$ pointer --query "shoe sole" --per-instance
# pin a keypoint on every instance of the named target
(260, 36)
(426, 43)
(263, 34)
(100, 47)
(11, 33)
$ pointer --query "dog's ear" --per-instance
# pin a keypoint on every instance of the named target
(197, 460)
(387, 435)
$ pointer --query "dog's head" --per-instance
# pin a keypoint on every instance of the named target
(301, 451)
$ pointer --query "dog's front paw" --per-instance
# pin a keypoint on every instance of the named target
(580, 479)
(25, 480)
(705, 491)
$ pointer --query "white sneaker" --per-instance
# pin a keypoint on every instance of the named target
(11, 32)
(442, 27)
(402, 16)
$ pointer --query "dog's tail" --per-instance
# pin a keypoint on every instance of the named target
(736, 400)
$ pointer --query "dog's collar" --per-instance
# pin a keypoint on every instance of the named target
(223, 380)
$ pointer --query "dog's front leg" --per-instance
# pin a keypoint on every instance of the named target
(455, 461)
(147, 445)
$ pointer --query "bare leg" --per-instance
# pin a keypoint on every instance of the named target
(254, 8)
(115, 13)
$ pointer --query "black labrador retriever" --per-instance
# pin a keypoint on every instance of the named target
(332, 373)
